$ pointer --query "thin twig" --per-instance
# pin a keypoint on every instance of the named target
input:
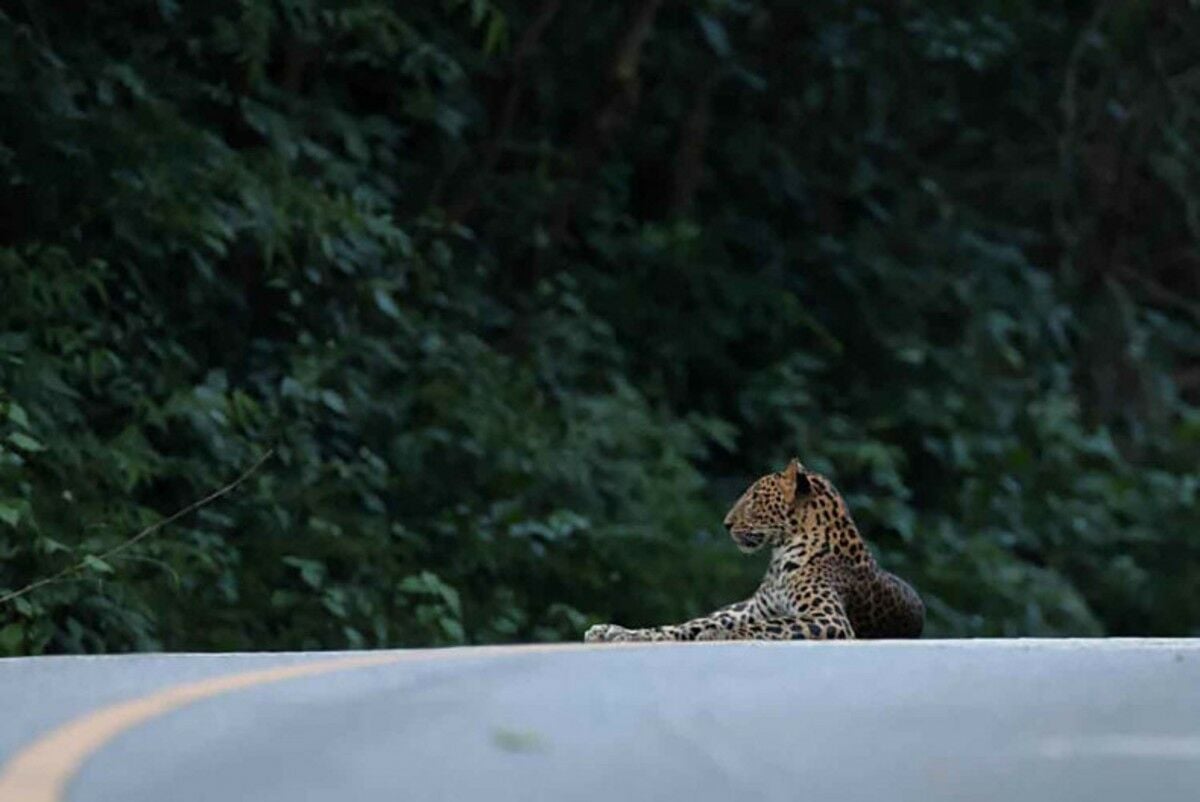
(142, 535)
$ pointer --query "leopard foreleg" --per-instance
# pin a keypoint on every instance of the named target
(720, 625)
(818, 626)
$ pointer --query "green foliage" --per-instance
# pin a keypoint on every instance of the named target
(523, 295)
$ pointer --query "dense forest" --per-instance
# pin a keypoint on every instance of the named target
(519, 296)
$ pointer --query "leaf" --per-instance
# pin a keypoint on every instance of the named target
(11, 639)
(334, 401)
(383, 300)
(335, 602)
(10, 513)
(496, 36)
(311, 571)
(714, 34)
(17, 415)
(429, 583)
(169, 9)
(24, 607)
(453, 629)
(752, 80)
(290, 388)
(97, 564)
(25, 442)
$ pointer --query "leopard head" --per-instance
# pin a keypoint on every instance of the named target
(770, 511)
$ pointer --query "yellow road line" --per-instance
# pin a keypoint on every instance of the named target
(42, 770)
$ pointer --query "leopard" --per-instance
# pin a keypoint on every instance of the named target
(822, 582)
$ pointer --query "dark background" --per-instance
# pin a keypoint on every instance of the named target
(525, 293)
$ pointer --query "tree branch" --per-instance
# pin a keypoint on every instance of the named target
(142, 535)
(693, 138)
(1069, 107)
(619, 101)
(462, 207)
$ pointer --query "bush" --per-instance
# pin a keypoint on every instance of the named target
(522, 295)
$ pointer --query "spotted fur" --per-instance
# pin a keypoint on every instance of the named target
(822, 583)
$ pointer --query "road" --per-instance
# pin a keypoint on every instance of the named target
(925, 720)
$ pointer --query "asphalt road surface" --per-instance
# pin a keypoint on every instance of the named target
(927, 720)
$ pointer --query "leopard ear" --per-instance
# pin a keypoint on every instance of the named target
(795, 481)
(803, 484)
